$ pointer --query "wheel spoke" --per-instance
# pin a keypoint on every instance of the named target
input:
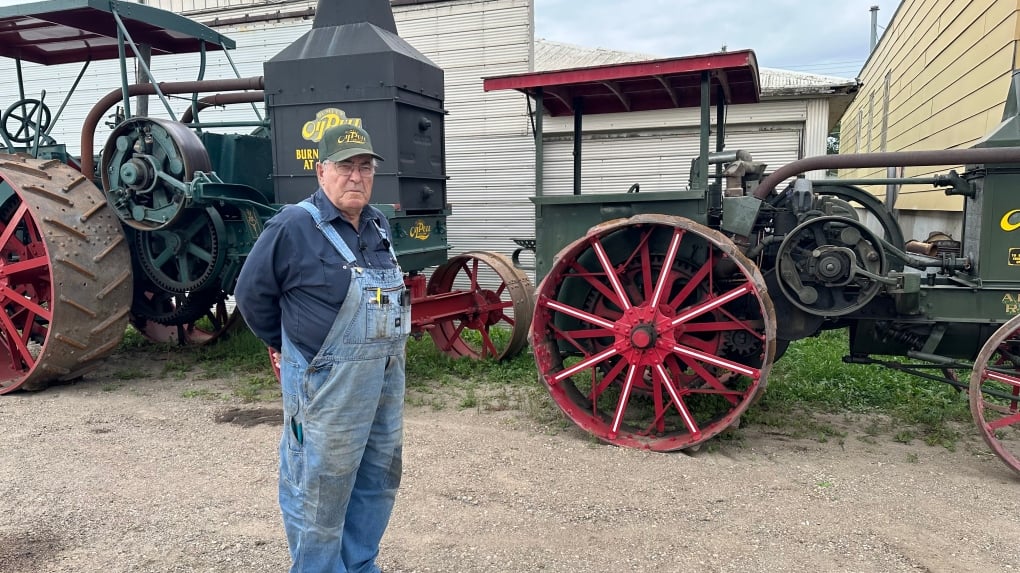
(12, 225)
(674, 395)
(1004, 421)
(575, 313)
(717, 361)
(666, 270)
(621, 405)
(11, 269)
(590, 362)
(20, 300)
(614, 280)
(14, 337)
(697, 279)
(713, 304)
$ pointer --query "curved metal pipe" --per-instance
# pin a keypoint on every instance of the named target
(888, 159)
(88, 130)
(222, 99)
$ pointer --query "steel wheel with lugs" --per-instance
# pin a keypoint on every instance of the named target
(653, 332)
(65, 274)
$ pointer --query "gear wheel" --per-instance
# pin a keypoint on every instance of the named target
(185, 257)
(173, 309)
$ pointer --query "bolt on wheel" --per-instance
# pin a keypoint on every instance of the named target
(995, 393)
(653, 332)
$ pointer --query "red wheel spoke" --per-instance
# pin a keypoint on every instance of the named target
(713, 304)
(710, 346)
(563, 335)
(608, 379)
(576, 313)
(621, 405)
(696, 279)
(1004, 421)
(717, 361)
(14, 337)
(674, 395)
(1009, 379)
(614, 280)
(583, 273)
(584, 364)
(712, 380)
(13, 224)
(588, 333)
(488, 347)
(19, 299)
(665, 272)
(719, 326)
(23, 266)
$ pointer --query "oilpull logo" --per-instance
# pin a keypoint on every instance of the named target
(325, 119)
(420, 231)
(1010, 221)
(352, 136)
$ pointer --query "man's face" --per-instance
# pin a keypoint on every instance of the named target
(347, 183)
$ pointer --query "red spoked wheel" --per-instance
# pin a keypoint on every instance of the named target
(490, 310)
(653, 332)
(65, 275)
(995, 392)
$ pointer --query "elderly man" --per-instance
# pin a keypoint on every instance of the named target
(322, 288)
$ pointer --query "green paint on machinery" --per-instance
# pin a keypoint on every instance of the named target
(153, 230)
(659, 314)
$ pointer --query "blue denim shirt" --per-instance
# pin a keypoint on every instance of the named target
(293, 277)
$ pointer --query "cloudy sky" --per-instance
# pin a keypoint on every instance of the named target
(828, 37)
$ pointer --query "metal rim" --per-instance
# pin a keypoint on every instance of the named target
(484, 328)
(995, 393)
(56, 232)
(667, 360)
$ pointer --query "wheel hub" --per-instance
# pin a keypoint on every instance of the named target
(644, 335)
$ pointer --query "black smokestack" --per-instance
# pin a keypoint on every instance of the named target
(331, 13)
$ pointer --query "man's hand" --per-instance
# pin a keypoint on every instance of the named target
(274, 360)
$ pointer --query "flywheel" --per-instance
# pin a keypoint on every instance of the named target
(146, 165)
(65, 274)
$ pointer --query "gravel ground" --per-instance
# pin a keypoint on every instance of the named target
(154, 475)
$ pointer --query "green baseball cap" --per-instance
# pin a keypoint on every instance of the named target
(344, 142)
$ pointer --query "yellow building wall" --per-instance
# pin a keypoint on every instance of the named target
(937, 80)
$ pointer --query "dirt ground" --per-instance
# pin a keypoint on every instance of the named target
(160, 475)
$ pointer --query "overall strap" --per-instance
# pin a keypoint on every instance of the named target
(385, 238)
(331, 234)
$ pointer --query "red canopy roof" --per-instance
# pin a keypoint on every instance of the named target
(639, 86)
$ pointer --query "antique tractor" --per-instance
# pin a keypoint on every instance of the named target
(659, 315)
(155, 229)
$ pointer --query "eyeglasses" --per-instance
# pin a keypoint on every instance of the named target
(346, 168)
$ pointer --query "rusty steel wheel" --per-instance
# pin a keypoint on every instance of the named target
(995, 392)
(653, 332)
(204, 317)
(65, 274)
(490, 306)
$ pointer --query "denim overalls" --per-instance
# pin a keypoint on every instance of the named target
(340, 455)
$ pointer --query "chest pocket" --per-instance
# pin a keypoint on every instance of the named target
(387, 313)
(331, 278)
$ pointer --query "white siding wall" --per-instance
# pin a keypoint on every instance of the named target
(655, 148)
